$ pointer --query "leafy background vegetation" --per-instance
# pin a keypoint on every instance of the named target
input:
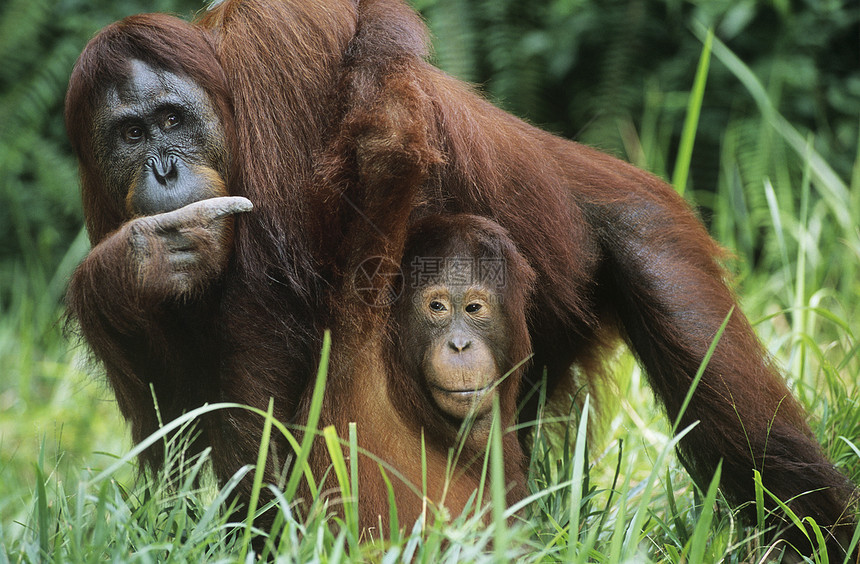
(775, 173)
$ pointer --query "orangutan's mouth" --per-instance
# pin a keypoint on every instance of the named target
(465, 393)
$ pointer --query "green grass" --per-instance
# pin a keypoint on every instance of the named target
(795, 226)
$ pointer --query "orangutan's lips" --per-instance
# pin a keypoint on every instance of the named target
(465, 393)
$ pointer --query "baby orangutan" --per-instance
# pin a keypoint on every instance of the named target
(460, 327)
(459, 338)
(455, 339)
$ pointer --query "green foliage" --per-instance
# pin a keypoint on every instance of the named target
(616, 73)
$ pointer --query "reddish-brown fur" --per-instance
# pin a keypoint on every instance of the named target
(342, 135)
(399, 409)
(141, 338)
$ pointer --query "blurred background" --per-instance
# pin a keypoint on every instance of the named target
(611, 73)
(615, 74)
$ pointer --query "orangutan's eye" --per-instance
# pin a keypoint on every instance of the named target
(132, 134)
(171, 120)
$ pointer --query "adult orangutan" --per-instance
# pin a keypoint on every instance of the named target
(340, 134)
(177, 297)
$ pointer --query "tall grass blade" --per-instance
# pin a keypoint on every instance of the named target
(350, 503)
(423, 481)
(169, 428)
(699, 540)
(823, 557)
(635, 528)
(680, 525)
(576, 480)
(792, 516)
(259, 472)
(800, 315)
(617, 541)
(353, 462)
(393, 518)
(855, 172)
(776, 219)
(497, 483)
(701, 371)
(691, 122)
(311, 424)
(42, 511)
(759, 500)
(852, 546)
